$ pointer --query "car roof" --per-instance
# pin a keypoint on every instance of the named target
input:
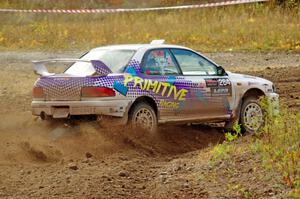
(137, 46)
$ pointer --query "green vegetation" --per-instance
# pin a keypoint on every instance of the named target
(287, 3)
(279, 146)
(255, 27)
(224, 150)
(277, 143)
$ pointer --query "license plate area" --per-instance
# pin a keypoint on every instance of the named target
(60, 111)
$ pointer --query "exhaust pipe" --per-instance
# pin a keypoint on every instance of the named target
(44, 116)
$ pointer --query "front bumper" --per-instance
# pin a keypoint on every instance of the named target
(62, 109)
(273, 100)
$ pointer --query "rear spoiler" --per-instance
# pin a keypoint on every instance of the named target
(40, 68)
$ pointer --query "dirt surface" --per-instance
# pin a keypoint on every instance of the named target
(81, 160)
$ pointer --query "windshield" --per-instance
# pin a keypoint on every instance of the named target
(114, 59)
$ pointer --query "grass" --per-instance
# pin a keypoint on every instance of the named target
(278, 145)
(222, 152)
(78, 4)
(226, 149)
(255, 27)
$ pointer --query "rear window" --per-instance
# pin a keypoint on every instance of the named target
(116, 60)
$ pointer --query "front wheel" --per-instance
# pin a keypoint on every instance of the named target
(143, 116)
(252, 117)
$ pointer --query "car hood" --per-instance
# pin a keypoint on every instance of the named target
(249, 78)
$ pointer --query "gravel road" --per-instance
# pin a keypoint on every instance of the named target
(79, 160)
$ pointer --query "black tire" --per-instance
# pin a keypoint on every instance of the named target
(143, 116)
(251, 115)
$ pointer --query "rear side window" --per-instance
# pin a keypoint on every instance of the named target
(159, 62)
(193, 64)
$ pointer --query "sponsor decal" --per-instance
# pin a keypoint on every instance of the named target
(172, 105)
(252, 83)
(211, 82)
(163, 88)
(221, 91)
(219, 86)
(217, 82)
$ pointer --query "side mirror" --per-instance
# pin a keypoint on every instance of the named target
(221, 71)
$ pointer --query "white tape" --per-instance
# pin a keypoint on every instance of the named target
(82, 11)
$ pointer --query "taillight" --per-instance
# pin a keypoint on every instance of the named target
(37, 92)
(97, 92)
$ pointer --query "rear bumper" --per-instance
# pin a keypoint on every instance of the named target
(273, 99)
(61, 109)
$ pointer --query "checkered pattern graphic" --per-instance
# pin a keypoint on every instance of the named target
(135, 65)
(61, 88)
(100, 67)
(106, 81)
(69, 88)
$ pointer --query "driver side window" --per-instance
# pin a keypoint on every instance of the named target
(193, 64)
(159, 62)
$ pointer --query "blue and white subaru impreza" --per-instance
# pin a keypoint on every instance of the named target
(149, 84)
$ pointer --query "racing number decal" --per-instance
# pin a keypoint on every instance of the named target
(223, 82)
(219, 86)
(217, 82)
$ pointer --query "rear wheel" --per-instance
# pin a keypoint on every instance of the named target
(143, 116)
(251, 116)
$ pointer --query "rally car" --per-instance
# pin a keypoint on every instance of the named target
(150, 84)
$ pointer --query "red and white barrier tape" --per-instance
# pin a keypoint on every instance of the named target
(82, 11)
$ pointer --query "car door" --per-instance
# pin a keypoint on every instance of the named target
(164, 82)
(210, 93)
